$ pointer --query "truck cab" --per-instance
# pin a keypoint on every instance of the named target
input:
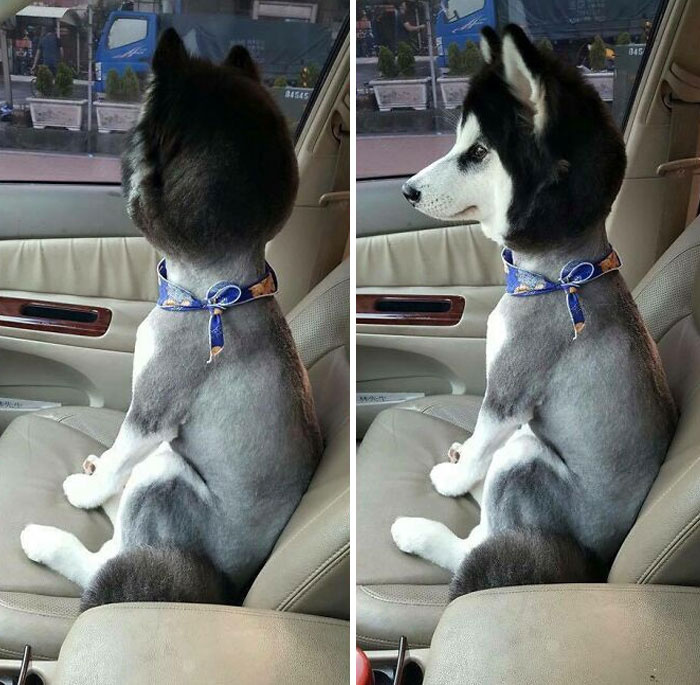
(128, 40)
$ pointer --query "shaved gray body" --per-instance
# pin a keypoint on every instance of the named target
(247, 430)
(600, 408)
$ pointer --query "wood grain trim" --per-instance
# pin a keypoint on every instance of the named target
(372, 309)
(17, 312)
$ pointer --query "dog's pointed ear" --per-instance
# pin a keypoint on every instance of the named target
(170, 54)
(490, 45)
(240, 58)
(523, 70)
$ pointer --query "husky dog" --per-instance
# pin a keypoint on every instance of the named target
(577, 416)
(212, 458)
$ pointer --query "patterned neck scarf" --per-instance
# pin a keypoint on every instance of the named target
(522, 283)
(220, 296)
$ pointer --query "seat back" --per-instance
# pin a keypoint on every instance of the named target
(664, 543)
(309, 568)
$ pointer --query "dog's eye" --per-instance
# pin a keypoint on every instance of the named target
(477, 152)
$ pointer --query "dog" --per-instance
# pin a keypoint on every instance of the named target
(221, 439)
(577, 415)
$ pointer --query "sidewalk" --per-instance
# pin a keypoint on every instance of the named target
(15, 78)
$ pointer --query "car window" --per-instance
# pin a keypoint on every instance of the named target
(74, 75)
(125, 31)
(414, 60)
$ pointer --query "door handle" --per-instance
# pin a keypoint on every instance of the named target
(410, 310)
(54, 317)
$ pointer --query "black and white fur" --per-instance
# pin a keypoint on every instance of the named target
(212, 459)
(571, 433)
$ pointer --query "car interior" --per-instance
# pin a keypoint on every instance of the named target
(76, 279)
(424, 292)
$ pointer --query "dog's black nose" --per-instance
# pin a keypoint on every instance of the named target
(410, 193)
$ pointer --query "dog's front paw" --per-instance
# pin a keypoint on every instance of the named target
(453, 454)
(407, 533)
(448, 479)
(90, 464)
(86, 492)
(40, 542)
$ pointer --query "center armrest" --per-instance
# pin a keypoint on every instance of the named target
(151, 642)
(603, 634)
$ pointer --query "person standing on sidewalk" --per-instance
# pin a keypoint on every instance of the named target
(49, 51)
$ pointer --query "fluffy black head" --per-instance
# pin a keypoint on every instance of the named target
(210, 167)
(554, 136)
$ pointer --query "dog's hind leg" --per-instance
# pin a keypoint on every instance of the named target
(65, 554)
(434, 541)
(530, 503)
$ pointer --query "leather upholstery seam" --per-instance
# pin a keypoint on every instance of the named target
(375, 595)
(325, 566)
(166, 607)
(392, 643)
(18, 655)
(678, 541)
(9, 607)
(312, 520)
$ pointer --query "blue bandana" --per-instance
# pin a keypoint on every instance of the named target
(522, 283)
(220, 296)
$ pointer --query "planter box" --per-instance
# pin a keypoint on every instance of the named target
(116, 116)
(400, 93)
(56, 112)
(453, 90)
(602, 81)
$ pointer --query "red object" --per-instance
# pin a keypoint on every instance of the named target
(396, 309)
(364, 669)
(54, 317)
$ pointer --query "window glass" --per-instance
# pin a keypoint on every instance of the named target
(105, 48)
(414, 59)
(125, 31)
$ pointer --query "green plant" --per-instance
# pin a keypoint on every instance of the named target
(280, 82)
(623, 39)
(455, 63)
(544, 45)
(113, 85)
(309, 75)
(131, 91)
(471, 58)
(44, 81)
(64, 80)
(597, 54)
(405, 61)
(386, 63)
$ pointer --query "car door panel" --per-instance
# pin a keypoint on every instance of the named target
(401, 252)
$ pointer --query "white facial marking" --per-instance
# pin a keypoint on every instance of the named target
(480, 191)
(526, 86)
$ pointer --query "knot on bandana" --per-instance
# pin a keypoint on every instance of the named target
(220, 297)
(520, 282)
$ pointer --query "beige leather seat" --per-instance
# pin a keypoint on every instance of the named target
(402, 595)
(308, 570)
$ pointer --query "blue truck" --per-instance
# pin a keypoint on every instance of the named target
(282, 49)
(567, 24)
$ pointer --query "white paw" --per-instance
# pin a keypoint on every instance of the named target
(40, 542)
(407, 532)
(86, 492)
(448, 479)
